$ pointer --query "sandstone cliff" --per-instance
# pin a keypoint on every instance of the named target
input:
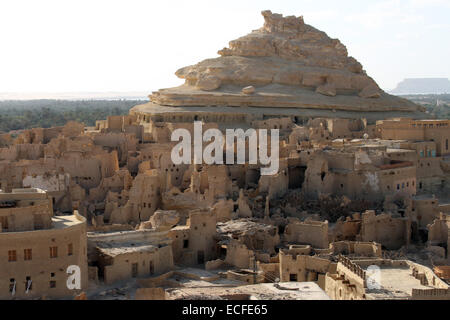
(286, 63)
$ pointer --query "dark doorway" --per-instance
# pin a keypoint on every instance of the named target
(423, 235)
(252, 176)
(414, 232)
(223, 253)
(152, 267)
(200, 257)
(296, 177)
(134, 270)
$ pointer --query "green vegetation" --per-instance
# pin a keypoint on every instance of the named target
(26, 114)
(436, 104)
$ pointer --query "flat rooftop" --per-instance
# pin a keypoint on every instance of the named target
(389, 150)
(62, 222)
(262, 291)
(396, 283)
(116, 249)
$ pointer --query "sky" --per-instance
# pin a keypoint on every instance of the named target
(133, 45)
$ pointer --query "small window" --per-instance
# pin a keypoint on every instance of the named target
(52, 274)
(293, 277)
(4, 223)
(52, 284)
(12, 255)
(27, 254)
(53, 252)
(398, 187)
(185, 244)
(70, 249)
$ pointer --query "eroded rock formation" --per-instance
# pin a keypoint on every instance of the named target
(286, 63)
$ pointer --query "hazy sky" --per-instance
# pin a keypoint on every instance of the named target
(109, 45)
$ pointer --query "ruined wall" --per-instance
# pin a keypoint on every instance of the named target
(238, 254)
(425, 210)
(438, 230)
(314, 233)
(145, 264)
(361, 249)
(390, 232)
(195, 243)
(301, 267)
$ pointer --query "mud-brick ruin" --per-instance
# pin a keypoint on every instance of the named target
(363, 184)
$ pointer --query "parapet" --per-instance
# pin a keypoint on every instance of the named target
(353, 267)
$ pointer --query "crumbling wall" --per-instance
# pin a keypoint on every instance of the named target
(314, 233)
(392, 233)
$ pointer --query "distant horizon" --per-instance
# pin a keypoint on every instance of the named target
(127, 95)
(75, 95)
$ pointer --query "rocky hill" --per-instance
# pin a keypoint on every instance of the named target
(284, 64)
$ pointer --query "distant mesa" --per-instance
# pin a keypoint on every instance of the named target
(286, 64)
(423, 86)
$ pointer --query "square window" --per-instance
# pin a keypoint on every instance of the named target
(53, 252)
(52, 284)
(27, 254)
(12, 255)
(4, 223)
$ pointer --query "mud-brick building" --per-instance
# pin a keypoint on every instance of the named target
(418, 130)
(36, 248)
(123, 255)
